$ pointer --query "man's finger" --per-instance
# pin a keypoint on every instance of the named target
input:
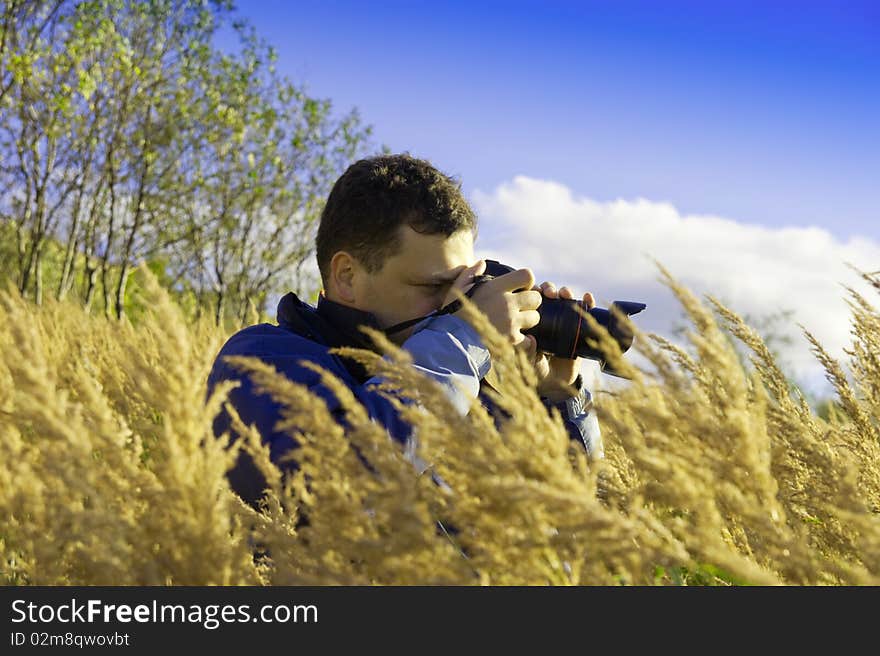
(548, 289)
(464, 280)
(530, 346)
(519, 279)
(528, 319)
(589, 301)
(565, 292)
(530, 300)
(466, 277)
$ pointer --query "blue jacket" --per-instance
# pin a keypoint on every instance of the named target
(446, 348)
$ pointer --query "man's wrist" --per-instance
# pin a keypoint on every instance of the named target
(560, 392)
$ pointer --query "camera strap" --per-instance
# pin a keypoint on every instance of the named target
(450, 308)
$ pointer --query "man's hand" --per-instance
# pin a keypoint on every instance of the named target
(508, 310)
(555, 374)
(511, 311)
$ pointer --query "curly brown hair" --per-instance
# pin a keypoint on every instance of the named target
(375, 196)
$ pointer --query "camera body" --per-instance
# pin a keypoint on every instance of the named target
(562, 329)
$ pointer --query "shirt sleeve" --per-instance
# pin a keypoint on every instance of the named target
(579, 417)
(448, 350)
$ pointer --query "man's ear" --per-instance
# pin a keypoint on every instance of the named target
(343, 268)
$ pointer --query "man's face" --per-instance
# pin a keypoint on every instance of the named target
(415, 281)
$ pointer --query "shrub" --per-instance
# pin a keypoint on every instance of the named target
(715, 472)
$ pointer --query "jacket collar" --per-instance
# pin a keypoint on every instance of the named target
(331, 324)
(348, 321)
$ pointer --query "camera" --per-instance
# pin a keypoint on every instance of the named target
(563, 331)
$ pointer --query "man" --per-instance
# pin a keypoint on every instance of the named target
(395, 239)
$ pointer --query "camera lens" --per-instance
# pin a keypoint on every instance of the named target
(564, 332)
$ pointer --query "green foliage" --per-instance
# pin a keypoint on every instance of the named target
(128, 137)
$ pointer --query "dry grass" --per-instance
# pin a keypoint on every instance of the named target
(109, 473)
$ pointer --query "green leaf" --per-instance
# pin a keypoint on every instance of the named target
(86, 84)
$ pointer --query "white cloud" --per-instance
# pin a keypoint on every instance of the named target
(607, 248)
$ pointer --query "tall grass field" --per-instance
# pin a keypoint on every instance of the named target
(717, 470)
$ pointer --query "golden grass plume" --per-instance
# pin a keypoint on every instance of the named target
(716, 472)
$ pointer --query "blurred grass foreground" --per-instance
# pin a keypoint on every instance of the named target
(717, 471)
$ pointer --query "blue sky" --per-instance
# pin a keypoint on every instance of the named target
(766, 112)
(737, 143)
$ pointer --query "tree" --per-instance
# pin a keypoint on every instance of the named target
(126, 136)
(272, 154)
(39, 162)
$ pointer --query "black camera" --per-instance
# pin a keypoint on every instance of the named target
(562, 329)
